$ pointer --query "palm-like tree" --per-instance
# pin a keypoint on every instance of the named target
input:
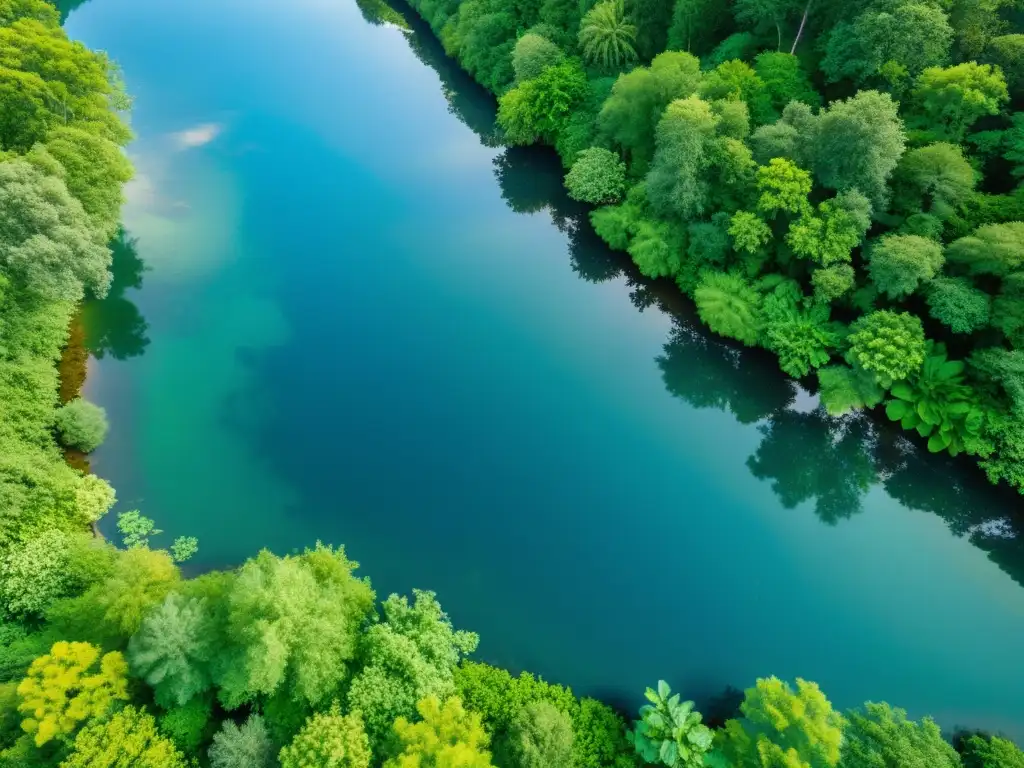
(606, 37)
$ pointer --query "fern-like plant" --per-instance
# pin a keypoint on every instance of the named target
(606, 37)
(730, 306)
(669, 731)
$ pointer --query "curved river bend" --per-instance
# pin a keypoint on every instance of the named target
(344, 313)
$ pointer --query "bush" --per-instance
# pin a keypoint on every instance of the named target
(597, 177)
(82, 425)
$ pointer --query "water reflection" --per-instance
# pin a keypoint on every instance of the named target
(805, 455)
(113, 325)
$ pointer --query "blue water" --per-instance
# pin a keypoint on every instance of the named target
(361, 322)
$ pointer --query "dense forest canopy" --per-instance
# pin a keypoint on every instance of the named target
(817, 221)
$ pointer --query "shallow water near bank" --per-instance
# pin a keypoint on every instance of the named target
(341, 313)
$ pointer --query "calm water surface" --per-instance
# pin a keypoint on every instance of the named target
(342, 313)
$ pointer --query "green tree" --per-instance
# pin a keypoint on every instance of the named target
(785, 80)
(782, 187)
(599, 737)
(669, 732)
(598, 176)
(695, 24)
(606, 37)
(1007, 53)
(730, 306)
(803, 339)
(540, 108)
(899, 264)
(329, 740)
(677, 185)
(447, 736)
(128, 739)
(797, 729)
(412, 654)
(541, 737)
(991, 752)
(992, 249)
(829, 236)
(749, 232)
(888, 345)
(173, 649)
(188, 726)
(958, 305)
(47, 244)
(737, 81)
(878, 735)
(950, 100)
(857, 143)
(631, 113)
(844, 389)
(245, 746)
(38, 572)
(63, 690)
(82, 425)
(830, 283)
(935, 179)
(912, 35)
(532, 55)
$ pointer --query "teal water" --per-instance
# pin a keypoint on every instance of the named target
(342, 313)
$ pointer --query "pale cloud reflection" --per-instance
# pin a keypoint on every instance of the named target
(197, 136)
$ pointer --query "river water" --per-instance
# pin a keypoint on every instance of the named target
(341, 312)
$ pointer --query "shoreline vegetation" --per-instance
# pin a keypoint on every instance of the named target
(109, 658)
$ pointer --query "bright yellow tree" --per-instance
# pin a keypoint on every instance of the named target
(63, 689)
(447, 737)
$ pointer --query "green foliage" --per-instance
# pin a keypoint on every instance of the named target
(830, 283)
(532, 55)
(749, 232)
(785, 80)
(273, 642)
(844, 389)
(878, 735)
(803, 339)
(540, 108)
(991, 752)
(446, 735)
(888, 345)
(669, 732)
(730, 306)
(657, 249)
(411, 655)
(128, 738)
(936, 402)
(599, 737)
(606, 37)
(135, 529)
(951, 100)
(173, 649)
(183, 548)
(245, 746)
(541, 737)
(188, 726)
(63, 689)
(498, 697)
(82, 425)
(737, 81)
(936, 178)
(1007, 53)
(329, 740)
(782, 187)
(677, 185)
(957, 304)
(598, 176)
(993, 249)
(900, 263)
(781, 727)
(48, 566)
(829, 236)
(694, 24)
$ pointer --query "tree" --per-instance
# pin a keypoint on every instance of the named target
(447, 735)
(802, 339)
(912, 36)
(598, 176)
(532, 55)
(695, 24)
(631, 113)
(188, 725)
(670, 732)
(48, 247)
(36, 573)
(783, 187)
(292, 624)
(781, 727)
(950, 100)
(730, 306)
(329, 740)
(63, 689)
(899, 264)
(539, 108)
(737, 81)
(857, 142)
(1007, 53)
(888, 345)
(606, 38)
(26, 117)
(599, 737)
(412, 654)
(957, 304)
(248, 746)
(829, 236)
(785, 80)
(878, 735)
(830, 283)
(992, 249)
(677, 186)
(541, 737)
(82, 425)
(934, 179)
(128, 738)
(749, 232)
(173, 649)
(991, 752)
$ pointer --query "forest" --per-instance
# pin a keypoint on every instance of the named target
(837, 183)
(111, 658)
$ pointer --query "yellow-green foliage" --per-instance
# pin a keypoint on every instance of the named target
(128, 738)
(63, 689)
(447, 735)
(329, 740)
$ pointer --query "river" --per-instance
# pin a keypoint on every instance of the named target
(341, 312)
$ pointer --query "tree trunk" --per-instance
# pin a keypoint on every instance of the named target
(800, 31)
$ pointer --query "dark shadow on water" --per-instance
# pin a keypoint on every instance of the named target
(113, 325)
